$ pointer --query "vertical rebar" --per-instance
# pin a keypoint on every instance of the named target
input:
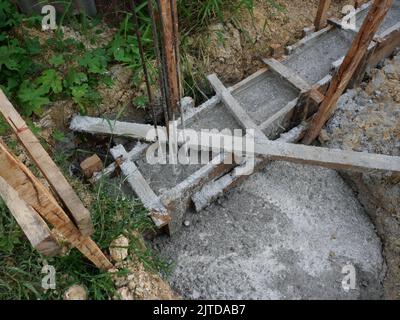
(144, 65)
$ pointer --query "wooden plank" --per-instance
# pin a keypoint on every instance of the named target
(139, 185)
(216, 188)
(386, 43)
(322, 14)
(47, 166)
(313, 37)
(105, 126)
(287, 74)
(33, 226)
(133, 155)
(294, 79)
(31, 190)
(178, 199)
(349, 66)
(336, 159)
(248, 82)
(279, 121)
(329, 158)
(233, 105)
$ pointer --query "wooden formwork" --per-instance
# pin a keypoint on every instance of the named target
(216, 178)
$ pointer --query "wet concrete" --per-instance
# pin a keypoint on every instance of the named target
(286, 233)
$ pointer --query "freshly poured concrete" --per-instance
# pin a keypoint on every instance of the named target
(314, 60)
(162, 177)
(266, 97)
(390, 20)
(286, 233)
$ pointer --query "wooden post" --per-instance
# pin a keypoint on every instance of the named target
(349, 66)
(170, 64)
(321, 20)
(357, 3)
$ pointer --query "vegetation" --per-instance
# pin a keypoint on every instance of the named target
(36, 71)
(113, 214)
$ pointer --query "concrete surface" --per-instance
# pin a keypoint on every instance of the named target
(314, 60)
(266, 97)
(286, 233)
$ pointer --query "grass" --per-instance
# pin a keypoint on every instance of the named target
(113, 214)
(71, 72)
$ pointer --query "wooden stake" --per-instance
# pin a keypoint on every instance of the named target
(47, 166)
(321, 21)
(35, 229)
(170, 55)
(349, 66)
(31, 190)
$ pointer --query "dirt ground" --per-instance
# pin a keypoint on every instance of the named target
(234, 50)
(367, 119)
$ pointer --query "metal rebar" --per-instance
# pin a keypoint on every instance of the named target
(144, 65)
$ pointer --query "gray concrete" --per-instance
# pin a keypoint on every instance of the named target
(266, 97)
(391, 18)
(285, 233)
(314, 60)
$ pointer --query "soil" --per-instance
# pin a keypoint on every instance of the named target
(234, 50)
(367, 119)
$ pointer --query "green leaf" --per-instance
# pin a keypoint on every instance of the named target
(74, 78)
(58, 135)
(9, 57)
(32, 45)
(50, 80)
(57, 60)
(141, 101)
(95, 61)
(31, 98)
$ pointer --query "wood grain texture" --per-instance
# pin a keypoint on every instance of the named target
(139, 185)
(321, 19)
(336, 159)
(349, 66)
(32, 191)
(233, 105)
(47, 166)
(33, 226)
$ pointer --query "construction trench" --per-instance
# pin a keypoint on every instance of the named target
(287, 231)
(310, 212)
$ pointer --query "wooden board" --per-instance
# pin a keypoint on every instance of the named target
(47, 166)
(349, 66)
(329, 158)
(139, 185)
(233, 105)
(33, 226)
(335, 159)
(385, 45)
(289, 75)
(322, 14)
(31, 190)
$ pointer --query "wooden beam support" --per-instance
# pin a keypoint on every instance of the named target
(33, 226)
(289, 75)
(321, 20)
(47, 166)
(234, 106)
(168, 32)
(295, 80)
(329, 158)
(334, 159)
(158, 213)
(31, 190)
(349, 66)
